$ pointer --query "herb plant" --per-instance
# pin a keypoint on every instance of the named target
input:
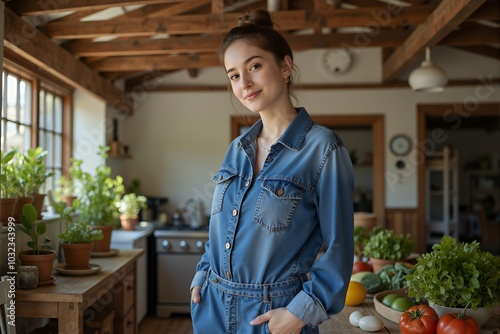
(386, 245)
(456, 274)
(33, 230)
(7, 174)
(130, 205)
(80, 233)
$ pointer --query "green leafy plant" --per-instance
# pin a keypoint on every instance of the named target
(30, 171)
(361, 238)
(130, 205)
(99, 194)
(7, 175)
(67, 186)
(33, 230)
(455, 274)
(386, 245)
(80, 233)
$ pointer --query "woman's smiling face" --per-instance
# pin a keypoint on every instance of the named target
(256, 78)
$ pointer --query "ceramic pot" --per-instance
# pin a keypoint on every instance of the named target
(21, 201)
(7, 207)
(77, 256)
(127, 223)
(38, 203)
(379, 264)
(103, 245)
(368, 220)
(481, 315)
(44, 261)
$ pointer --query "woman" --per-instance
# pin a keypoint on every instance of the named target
(283, 191)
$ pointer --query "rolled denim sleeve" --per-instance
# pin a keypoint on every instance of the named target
(202, 268)
(325, 292)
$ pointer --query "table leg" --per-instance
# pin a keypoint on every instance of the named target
(70, 319)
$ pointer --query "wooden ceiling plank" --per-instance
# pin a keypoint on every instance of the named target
(23, 8)
(482, 50)
(154, 63)
(76, 16)
(31, 44)
(196, 24)
(217, 7)
(478, 35)
(444, 19)
(490, 10)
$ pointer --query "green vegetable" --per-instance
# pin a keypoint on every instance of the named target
(372, 283)
(455, 274)
(402, 304)
(390, 298)
(386, 245)
(394, 276)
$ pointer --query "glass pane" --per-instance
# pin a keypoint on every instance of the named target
(49, 159)
(2, 135)
(12, 137)
(42, 109)
(49, 121)
(25, 102)
(42, 138)
(58, 151)
(11, 98)
(58, 115)
(3, 95)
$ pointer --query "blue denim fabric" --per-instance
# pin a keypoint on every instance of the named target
(270, 227)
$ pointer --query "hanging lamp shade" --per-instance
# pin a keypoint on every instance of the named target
(428, 77)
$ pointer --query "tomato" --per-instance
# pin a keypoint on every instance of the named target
(402, 304)
(360, 266)
(419, 319)
(452, 323)
(356, 294)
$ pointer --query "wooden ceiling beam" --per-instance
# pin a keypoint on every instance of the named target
(486, 51)
(443, 20)
(155, 63)
(31, 44)
(477, 35)
(25, 8)
(490, 10)
(214, 23)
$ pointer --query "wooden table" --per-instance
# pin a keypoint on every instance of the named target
(70, 296)
(340, 323)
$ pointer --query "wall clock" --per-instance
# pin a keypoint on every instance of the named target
(400, 145)
(336, 61)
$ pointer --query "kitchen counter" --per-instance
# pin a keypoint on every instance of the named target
(119, 236)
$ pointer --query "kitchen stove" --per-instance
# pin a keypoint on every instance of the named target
(178, 250)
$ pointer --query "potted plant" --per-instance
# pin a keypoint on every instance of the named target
(97, 200)
(457, 275)
(41, 254)
(386, 247)
(33, 173)
(77, 244)
(67, 189)
(8, 199)
(129, 206)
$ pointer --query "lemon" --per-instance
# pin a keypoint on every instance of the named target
(356, 294)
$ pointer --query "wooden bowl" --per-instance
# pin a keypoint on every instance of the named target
(386, 311)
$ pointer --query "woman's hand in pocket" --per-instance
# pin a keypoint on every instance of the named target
(281, 321)
(195, 294)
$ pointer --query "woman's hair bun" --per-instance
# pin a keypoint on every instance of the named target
(259, 17)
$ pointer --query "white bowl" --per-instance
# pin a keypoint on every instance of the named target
(481, 315)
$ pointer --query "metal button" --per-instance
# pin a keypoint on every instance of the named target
(219, 178)
(235, 212)
(269, 159)
(247, 183)
(228, 245)
(215, 280)
(280, 192)
(228, 274)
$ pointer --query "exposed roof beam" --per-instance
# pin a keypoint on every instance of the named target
(30, 43)
(46, 7)
(197, 24)
(486, 51)
(443, 20)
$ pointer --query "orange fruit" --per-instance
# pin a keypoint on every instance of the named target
(356, 294)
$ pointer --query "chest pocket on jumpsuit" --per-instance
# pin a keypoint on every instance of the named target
(222, 180)
(276, 204)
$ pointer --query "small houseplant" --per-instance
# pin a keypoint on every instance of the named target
(77, 244)
(129, 206)
(67, 189)
(455, 275)
(8, 197)
(386, 247)
(41, 254)
(97, 199)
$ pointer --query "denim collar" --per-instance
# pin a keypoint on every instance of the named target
(293, 137)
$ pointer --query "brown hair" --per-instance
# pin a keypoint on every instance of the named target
(258, 27)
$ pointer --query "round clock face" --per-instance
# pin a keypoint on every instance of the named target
(336, 61)
(400, 145)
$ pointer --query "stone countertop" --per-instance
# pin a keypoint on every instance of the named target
(143, 229)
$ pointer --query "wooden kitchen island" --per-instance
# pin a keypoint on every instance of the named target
(113, 287)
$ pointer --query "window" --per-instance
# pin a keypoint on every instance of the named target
(30, 122)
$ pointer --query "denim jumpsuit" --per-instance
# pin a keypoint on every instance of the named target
(266, 231)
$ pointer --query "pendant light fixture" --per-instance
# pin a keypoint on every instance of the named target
(428, 77)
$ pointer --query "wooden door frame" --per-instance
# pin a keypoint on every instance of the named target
(374, 122)
(454, 113)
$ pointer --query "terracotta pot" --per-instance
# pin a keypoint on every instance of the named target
(38, 203)
(128, 224)
(44, 261)
(21, 201)
(378, 264)
(103, 244)
(368, 220)
(77, 256)
(7, 207)
(68, 200)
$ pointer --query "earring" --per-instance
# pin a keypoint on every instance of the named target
(288, 80)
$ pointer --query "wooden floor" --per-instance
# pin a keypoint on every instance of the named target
(177, 324)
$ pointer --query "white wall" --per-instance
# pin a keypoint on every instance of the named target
(179, 139)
